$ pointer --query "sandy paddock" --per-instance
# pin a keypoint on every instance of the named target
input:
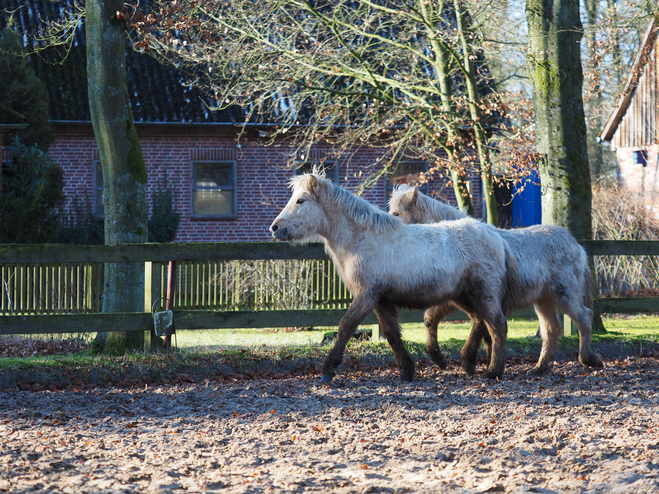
(575, 430)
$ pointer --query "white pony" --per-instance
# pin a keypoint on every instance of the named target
(386, 264)
(553, 273)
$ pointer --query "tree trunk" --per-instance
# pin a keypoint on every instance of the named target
(476, 121)
(124, 173)
(595, 101)
(460, 189)
(554, 67)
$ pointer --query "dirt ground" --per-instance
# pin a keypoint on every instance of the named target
(575, 430)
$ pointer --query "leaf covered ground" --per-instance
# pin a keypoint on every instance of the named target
(574, 430)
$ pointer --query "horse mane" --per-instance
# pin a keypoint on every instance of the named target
(357, 209)
(440, 210)
(437, 210)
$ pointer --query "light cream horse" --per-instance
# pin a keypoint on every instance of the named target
(552, 270)
(386, 264)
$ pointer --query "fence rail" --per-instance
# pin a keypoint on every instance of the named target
(199, 263)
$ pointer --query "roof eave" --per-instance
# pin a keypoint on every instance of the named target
(628, 90)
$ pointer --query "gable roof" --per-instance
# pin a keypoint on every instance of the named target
(643, 56)
(158, 93)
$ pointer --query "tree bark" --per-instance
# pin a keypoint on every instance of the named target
(595, 100)
(124, 172)
(462, 196)
(475, 115)
(554, 67)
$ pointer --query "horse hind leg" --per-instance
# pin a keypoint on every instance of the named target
(497, 327)
(583, 318)
(550, 332)
(388, 318)
(431, 320)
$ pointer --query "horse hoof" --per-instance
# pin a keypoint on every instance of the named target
(407, 377)
(492, 375)
(326, 378)
(468, 369)
(592, 360)
(440, 361)
(536, 372)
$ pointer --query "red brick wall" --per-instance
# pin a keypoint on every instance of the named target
(261, 177)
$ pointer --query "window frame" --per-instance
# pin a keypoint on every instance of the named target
(387, 188)
(234, 206)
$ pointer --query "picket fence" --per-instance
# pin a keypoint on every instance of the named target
(58, 288)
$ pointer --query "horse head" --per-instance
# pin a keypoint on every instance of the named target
(303, 215)
(404, 203)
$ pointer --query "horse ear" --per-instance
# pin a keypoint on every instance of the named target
(415, 193)
(312, 184)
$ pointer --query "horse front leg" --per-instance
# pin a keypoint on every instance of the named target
(431, 320)
(469, 353)
(388, 318)
(498, 329)
(358, 310)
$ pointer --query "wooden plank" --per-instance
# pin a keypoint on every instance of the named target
(75, 323)
(224, 251)
(627, 305)
(622, 247)
(191, 320)
(202, 251)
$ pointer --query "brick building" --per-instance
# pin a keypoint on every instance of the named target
(632, 127)
(226, 190)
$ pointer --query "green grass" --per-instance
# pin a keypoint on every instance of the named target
(258, 352)
(208, 340)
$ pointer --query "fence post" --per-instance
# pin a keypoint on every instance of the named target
(151, 294)
(568, 326)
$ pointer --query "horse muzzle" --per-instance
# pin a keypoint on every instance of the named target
(278, 232)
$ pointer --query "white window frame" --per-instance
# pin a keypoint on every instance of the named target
(234, 187)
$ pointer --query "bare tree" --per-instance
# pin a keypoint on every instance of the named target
(554, 66)
(397, 75)
(124, 172)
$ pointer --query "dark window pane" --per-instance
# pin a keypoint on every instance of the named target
(213, 176)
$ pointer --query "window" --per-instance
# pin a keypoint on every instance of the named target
(331, 169)
(405, 172)
(214, 189)
(641, 157)
(99, 209)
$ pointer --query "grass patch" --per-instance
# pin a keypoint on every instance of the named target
(270, 353)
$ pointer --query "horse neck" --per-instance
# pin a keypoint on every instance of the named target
(434, 211)
(338, 231)
(341, 233)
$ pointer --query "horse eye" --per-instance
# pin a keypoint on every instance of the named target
(300, 201)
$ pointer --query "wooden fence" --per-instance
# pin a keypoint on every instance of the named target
(43, 265)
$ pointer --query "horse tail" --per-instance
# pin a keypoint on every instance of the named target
(512, 285)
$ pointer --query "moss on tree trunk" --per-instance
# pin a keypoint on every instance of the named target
(124, 172)
(554, 67)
